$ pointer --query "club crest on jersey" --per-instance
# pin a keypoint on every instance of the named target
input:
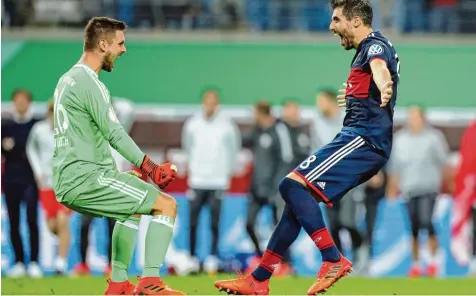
(375, 49)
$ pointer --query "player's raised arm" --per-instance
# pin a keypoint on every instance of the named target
(383, 79)
(103, 114)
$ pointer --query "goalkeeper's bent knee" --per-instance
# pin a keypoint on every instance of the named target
(165, 205)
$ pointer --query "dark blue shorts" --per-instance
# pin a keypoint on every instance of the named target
(341, 165)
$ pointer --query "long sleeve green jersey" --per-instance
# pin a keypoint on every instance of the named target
(85, 124)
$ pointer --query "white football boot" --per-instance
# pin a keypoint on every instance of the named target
(34, 270)
(17, 271)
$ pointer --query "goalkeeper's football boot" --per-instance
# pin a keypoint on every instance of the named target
(119, 288)
(243, 285)
(154, 286)
(329, 274)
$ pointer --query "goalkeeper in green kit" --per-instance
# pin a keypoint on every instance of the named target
(85, 176)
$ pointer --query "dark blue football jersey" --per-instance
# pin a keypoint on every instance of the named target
(364, 115)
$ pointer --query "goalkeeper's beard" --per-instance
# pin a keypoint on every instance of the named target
(108, 63)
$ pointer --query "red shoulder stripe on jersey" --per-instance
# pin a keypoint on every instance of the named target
(358, 83)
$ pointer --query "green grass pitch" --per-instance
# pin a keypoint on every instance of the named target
(203, 285)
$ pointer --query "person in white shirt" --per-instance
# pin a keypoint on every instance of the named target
(39, 149)
(211, 141)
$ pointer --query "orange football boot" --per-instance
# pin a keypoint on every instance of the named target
(329, 274)
(243, 285)
(154, 286)
(119, 288)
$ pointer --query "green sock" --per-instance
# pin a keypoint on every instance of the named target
(124, 237)
(157, 240)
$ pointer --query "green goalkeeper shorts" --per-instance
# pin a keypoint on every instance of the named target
(112, 194)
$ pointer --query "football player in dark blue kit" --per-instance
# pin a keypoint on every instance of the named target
(357, 153)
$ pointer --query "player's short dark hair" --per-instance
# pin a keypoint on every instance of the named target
(101, 27)
(352, 8)
(22, 91)
(330, 93)
(263, 107)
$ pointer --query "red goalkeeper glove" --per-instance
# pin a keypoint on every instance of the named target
(161, 175)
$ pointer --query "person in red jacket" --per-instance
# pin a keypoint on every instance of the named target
(465, 200)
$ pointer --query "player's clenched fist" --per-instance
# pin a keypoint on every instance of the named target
(161, 175)
(387, 92)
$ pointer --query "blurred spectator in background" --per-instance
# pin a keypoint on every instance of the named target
(284, 15)
(175, 14)
(226, 13)
(406, 16)
(18, 12)
(271, 147)
(327, 121)
(342, 216)
(88, 9)
(316, 15)
(19, 182)
(39, 149)
(409, 15)
(327, 124)
(257, 14)
(125, 114)
(444, 16)
(374, 192)
(416, 167)
(4, 16)
(465, 199)
(212, 141)
(82, 268)
(299, 143)
(378, 7)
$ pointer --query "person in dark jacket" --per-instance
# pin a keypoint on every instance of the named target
(271, 146)
(19, 184)
(299, 140)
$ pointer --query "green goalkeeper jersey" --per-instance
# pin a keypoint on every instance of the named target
(85, 124)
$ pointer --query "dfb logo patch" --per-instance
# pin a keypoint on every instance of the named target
(375, 49)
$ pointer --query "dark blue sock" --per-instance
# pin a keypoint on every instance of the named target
(285, 233)
(309, 215)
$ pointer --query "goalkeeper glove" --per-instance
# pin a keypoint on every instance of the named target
(161, 175)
